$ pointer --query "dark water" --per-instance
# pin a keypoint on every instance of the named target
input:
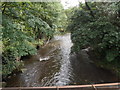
(54, 66)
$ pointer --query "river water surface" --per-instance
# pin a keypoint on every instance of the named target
(55, 66)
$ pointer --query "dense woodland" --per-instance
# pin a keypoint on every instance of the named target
(97, 25)
(26, 25)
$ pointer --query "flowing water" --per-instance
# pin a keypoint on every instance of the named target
(55, 66)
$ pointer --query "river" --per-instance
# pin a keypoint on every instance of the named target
(55, 66)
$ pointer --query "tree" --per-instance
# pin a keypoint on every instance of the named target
(24, 26)
(97, 25)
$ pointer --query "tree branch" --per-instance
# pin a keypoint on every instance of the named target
(91, 12)
(3, 8)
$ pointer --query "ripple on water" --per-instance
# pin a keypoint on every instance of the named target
(53, 66)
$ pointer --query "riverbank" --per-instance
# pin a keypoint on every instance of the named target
(114, 67)
(19, 69)
(47, 67)
(55, 66)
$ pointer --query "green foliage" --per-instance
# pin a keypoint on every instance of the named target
(24, 26)
(111, 55)
(100, 32)
(10, 66)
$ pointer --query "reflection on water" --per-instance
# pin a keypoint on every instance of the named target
(54, 66)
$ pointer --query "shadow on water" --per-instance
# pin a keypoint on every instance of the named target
(54, 66)
(86, 72)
